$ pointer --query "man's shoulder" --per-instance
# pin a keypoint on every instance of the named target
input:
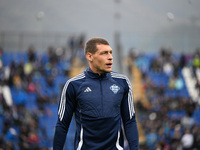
(121, 78)
(118, 75)
(77, 78)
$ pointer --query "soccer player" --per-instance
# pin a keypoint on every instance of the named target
(101, 99)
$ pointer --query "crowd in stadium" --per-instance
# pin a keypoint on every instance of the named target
(168, 121)
(30, 82)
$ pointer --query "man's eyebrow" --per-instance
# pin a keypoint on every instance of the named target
(106, 51)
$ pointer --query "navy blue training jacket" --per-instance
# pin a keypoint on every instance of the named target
(99, 104)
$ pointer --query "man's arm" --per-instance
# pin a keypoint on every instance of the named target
(128, 117)
(65, 112)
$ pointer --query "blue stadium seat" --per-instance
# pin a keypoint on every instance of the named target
(1, 124)
(159, 79)
(31, 102)
(176, 114)
(19, 96)
(47, 123)
(7, 58)
(17, 57)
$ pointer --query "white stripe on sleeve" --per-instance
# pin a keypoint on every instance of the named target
(63, 95)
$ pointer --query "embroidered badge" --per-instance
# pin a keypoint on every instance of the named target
(114, 88)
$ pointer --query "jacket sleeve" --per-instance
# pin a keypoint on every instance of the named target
(65, 112)
(128, 117)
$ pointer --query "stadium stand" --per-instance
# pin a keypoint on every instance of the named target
(163, 87)
(172, 108)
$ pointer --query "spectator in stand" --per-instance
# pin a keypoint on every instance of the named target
(187, 121)
(31, 54)
(196, 133)
(152, 139)
(187, 140)
(176, 137)
(156, 65)
(4, 87)
(175, 81)
(52, 55)
(183, 61)
(81, 41)
(71, 43)
(131, 61)
(196, 58)
(168, 63)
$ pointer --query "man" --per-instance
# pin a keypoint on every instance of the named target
(99, 98)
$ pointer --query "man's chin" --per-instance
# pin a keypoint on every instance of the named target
(108, 70)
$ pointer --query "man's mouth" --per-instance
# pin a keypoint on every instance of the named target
(109, 65)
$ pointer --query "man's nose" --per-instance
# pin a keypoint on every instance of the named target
(110, 57)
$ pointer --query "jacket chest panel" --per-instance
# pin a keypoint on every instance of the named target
(100, 98)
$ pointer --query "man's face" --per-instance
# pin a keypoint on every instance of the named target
(102, 60)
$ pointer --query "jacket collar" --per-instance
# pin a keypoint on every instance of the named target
(91, 74)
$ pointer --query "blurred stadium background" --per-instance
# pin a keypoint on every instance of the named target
(156, 44)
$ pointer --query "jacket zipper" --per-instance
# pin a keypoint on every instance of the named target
(101, 95)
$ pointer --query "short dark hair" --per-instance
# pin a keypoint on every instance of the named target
(91, 44)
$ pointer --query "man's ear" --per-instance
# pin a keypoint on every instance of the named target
(89, 56)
